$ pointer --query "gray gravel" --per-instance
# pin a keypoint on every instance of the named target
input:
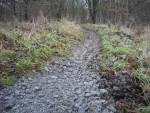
(65, 85)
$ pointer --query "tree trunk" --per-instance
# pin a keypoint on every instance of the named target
(13, 7)
(95, 2)
(92, 6)
(26, 17)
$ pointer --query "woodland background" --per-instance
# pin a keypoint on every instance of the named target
(129, 12)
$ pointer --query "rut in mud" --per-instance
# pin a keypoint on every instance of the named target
(65, 85)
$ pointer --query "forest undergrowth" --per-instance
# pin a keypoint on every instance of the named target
(26, 46)
(125, 53)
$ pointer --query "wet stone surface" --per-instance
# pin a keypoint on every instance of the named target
(65, 85)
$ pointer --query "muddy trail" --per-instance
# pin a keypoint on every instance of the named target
(65, 85)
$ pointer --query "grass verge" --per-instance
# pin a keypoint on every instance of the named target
(27, 46)
(123, 54)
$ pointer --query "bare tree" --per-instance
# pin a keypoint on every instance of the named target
(114, 11)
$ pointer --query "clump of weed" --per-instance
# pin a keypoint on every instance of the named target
(7, 55)
(120, 65)
(27, 64)
(7, 80)
(124, 49)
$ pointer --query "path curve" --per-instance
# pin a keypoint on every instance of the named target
(65, 85)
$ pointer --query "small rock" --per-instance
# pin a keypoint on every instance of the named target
(10, 104)
(41, 95)
(48, 102)
(71, 70)
(86, 83)
(36, 88)
(30, 79)
(102, 101)
(56, 96)
(35, 102)
(77, 105)
(78, 91)
(17, 93)
(33, 71)
(103, 91)
(91, 83)
(106, 111)
(87, 94)
(116, 88)
(49, 81)
(24, 86)
(54, 77)
(92, 93)
(8, 98)
(46, 69)
(28, 91)
(111, 108)
(94, 76)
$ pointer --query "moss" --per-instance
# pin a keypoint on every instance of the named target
(7, 80)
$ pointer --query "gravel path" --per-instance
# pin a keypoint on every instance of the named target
(65, 85)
